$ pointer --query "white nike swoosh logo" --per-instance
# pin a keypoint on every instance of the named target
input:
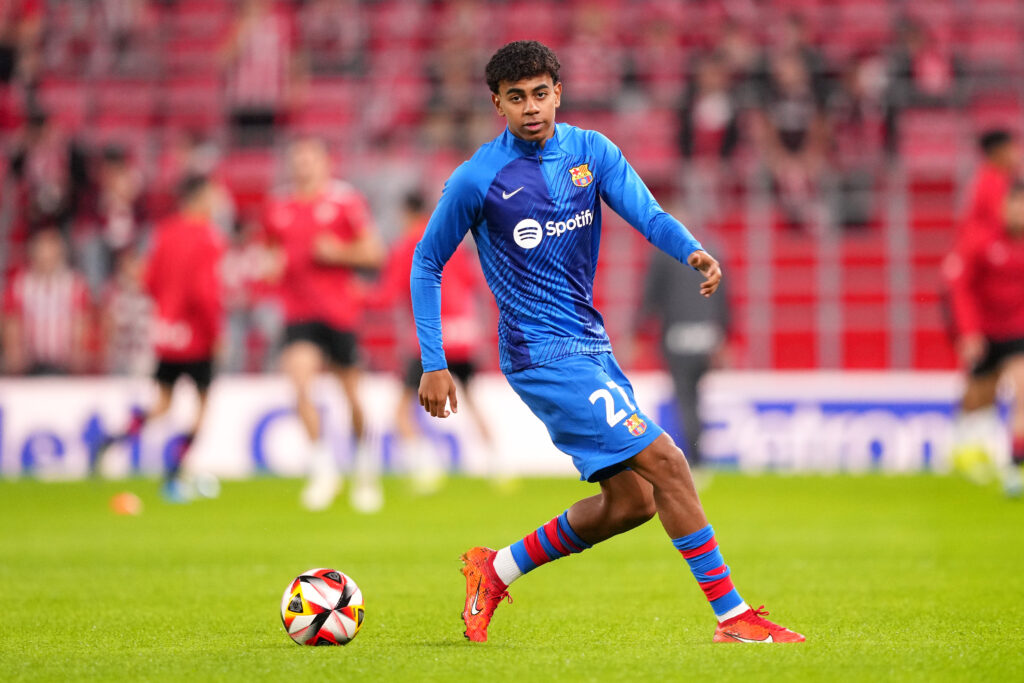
(472, 606)
(749, 640)
(509, 195)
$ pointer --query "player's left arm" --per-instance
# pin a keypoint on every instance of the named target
(457, 211)
(623, 190)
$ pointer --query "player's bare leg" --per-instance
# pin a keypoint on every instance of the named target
(418, 456)
(483, 429)
(1012, 480)
(367, 495)
(975, 428)
(664, 466)
(626, 501)
(405, 424)
(301, 362)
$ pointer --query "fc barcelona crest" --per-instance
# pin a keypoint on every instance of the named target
(635, 425)
(581, 175)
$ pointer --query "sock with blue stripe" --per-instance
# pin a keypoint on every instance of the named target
(700, 549)
(553, 540)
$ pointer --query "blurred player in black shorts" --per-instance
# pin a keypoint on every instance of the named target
(324, 232)
(188, 314)
(986, 275)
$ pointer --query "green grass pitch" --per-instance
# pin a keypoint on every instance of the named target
(891, 578)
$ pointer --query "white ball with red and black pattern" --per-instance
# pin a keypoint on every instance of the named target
(322, 607)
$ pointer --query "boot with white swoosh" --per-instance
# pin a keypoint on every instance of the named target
(752, 627)
(484, 592)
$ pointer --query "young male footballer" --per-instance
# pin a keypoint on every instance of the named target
(532, 198)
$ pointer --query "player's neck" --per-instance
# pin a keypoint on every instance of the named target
(540, 143)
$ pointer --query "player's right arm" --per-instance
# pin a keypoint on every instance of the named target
(457, 211)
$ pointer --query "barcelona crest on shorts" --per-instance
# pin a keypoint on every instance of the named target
(581, 175)
(635, 425)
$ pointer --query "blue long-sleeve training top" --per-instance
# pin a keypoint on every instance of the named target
(535, 214)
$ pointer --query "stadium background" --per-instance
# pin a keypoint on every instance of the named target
(832, 253)
(839, 356)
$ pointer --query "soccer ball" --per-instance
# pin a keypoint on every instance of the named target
(322, 607)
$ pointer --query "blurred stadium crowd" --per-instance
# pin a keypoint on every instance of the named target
(821, 146)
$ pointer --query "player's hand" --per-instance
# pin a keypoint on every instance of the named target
(708, 266)
(437, 388)
(971, 348)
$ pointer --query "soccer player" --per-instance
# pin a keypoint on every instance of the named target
(461, 319)
(325, 232)
(986, 276)
(183, 278)
(532, 198)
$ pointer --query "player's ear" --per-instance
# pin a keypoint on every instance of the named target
(496, 99)
(557, 90)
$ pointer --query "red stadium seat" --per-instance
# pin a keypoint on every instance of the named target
(68, 102)
(193, 104)
(932, 140)
(795, 350)
(128, 103)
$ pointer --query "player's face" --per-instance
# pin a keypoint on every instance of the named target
(529, 106)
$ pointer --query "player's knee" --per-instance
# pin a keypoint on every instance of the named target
(631, 512)
(977, 398)
(641, 512)
(301, 362)
(665, 461)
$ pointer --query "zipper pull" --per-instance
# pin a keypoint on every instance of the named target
(540, 159)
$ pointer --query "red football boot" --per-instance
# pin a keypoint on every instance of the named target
(484, 592)
(752, 627)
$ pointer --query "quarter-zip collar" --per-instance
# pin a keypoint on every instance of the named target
(552, 147)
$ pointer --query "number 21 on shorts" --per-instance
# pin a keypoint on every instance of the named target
(613, 416)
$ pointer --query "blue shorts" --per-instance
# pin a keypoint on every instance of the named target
(588, 406)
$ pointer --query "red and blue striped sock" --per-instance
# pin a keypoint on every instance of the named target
(700, 549)
(553, 540)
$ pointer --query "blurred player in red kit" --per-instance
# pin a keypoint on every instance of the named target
(462, 286)
(183, 278)
(986, 276)
(324, 231)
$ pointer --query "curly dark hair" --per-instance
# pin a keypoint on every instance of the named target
(521, 59)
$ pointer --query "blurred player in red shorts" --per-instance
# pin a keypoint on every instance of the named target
(462, 285)
(324, 231)
(183, 278)
(986, 276)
